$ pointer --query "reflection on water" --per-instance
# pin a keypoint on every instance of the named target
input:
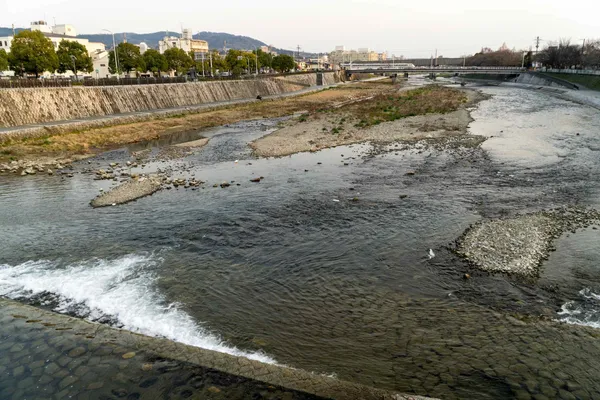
(281, 271)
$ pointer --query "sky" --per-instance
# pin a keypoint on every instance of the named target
(400, 27)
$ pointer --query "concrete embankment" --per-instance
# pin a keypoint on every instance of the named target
(80, 359)
(532, 78)
(42, 105)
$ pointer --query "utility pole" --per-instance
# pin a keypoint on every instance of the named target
(537, 45)
(203, 66)
(256, 59)
(211, 67)
(436, 57)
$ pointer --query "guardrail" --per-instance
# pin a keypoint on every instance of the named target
(34, 83)
(53, 82)
(572, 71)
(133, 81)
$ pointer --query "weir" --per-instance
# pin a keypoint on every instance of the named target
(78, 358)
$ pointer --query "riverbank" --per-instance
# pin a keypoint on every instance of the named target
(62, 143)
(432, 112)
(591, 82)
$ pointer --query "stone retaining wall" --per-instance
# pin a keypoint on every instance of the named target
(41, 105)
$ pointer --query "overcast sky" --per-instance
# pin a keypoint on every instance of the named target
(409, 28)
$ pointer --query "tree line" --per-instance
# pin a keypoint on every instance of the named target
(236, 62)
(564, 55)
(31, 52)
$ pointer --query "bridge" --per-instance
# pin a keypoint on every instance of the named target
(365, 69)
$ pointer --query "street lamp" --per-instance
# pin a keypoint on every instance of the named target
(115, 50)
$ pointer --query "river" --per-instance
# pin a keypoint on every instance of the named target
(324, 265)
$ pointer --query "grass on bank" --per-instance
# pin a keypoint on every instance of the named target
(97, 139)
(588, 81)
(426, 100)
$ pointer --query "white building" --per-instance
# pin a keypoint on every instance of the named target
(185, 42)
(143, 47)
(58, 33)
(100, 60)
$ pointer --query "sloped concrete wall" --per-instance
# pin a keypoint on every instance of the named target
(543, 80)
(40, 105)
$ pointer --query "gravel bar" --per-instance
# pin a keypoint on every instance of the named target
(128, 191)
(520, 244)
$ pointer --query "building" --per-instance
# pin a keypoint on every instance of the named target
(100, 60)
(340, 54)
(58, 33)
(186, 42)
(318, 64)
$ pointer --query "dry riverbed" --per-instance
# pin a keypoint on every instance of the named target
(431, 112)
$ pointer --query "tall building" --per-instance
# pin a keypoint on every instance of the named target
(186, 42)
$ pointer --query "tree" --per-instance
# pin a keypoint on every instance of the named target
(503, 57)
(565, 55)
(3, 60)
(591, 54)
(528, 60)
(283, 63)
(32, 52)
(130, 58)
(265, 59)
(155, 62)
(236, 62)
(73, 56)
(178, 60)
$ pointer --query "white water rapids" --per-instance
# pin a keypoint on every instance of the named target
(122, 289)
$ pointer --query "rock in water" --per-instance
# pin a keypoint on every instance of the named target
(431, 254)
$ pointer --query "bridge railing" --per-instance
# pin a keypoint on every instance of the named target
(437, 68)
(572, 71)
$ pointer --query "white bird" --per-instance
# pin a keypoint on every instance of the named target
(431, 254)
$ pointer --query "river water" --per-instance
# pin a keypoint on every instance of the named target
(293, 270)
